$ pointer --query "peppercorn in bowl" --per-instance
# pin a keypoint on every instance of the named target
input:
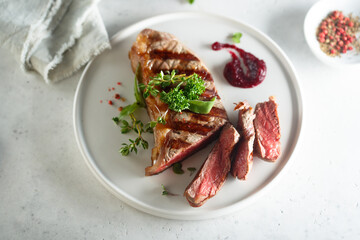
(332, 31)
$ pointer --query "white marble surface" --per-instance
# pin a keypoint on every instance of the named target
(47, 191)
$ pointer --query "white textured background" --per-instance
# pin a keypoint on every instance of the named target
(47, 192)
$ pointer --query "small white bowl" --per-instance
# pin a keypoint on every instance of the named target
(314, 17)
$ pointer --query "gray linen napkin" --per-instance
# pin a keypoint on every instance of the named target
(53, 37)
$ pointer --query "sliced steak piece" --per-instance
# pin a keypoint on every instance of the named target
(267, 130)
(243, 161)
(213, 172)
(186, 132)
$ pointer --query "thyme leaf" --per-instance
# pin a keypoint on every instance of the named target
(191, 170)
(177, 168)
(165, 192)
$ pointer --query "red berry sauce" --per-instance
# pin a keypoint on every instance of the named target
(252, 74)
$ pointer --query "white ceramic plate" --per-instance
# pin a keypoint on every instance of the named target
(314, 17)
(99, 139)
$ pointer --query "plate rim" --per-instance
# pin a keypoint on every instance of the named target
(126, 198)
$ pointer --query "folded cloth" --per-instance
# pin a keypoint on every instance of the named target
(52, 37)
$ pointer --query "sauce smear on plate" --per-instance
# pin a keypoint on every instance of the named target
(245, 70)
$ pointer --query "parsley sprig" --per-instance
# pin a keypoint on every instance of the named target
(183, 94)
(165, 80)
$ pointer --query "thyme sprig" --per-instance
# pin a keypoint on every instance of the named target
(138, 127)
(135, 125)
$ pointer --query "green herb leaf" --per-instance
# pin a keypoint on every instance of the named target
(127, 148)
(116, 120)
(191, 170)
(202, 107)
(191, 1)
(236, 37)
(142, 86)
(138, 97)
(183, 94)
(124, 151)
(129, 109)
(152, 124)
(138, 127)
(165, 192)
(161, 120)
(194, 87)
(149, 126)
(177, 168)
(125, 127)
(175, 98)
(144, 144)
(140, 102)
(154, 92)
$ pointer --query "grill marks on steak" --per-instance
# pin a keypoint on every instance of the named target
(213, 172)
(267, 130)
(158, 54)
(243, 160)
(185, 133)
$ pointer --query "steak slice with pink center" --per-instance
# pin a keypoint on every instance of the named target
(267, 130)
(243, 160)
(213, 172)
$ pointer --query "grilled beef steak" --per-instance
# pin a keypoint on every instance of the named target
(213, 172)
(267, 130)
(243, 161)
(187, 132)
